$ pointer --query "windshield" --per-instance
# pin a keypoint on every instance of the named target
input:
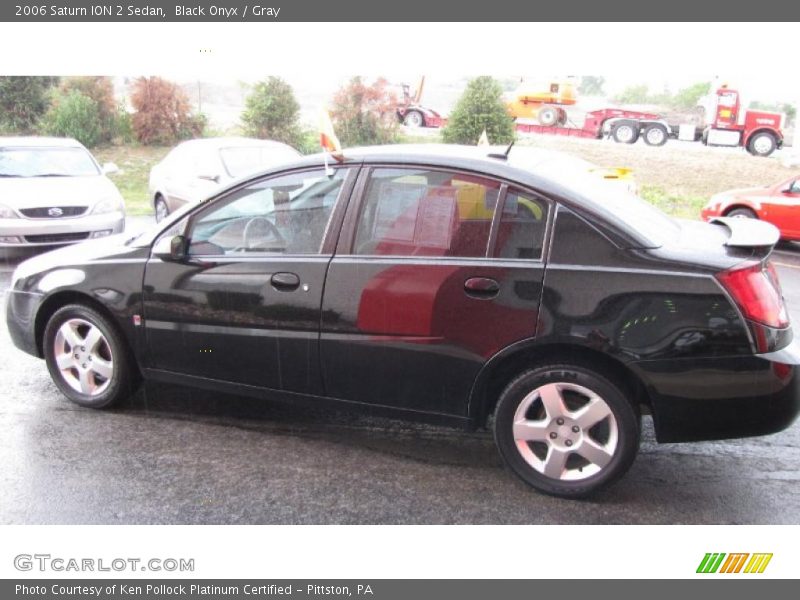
(46, 162)
(243, 160)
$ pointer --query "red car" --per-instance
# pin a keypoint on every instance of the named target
(777, 204)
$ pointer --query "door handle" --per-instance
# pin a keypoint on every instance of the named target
(481, 287)
(285, 281)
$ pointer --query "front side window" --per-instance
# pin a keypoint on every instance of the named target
(420, 212)
(281, 215)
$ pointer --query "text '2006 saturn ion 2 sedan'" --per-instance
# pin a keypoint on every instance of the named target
(439, 283)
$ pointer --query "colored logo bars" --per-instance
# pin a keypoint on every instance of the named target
(734, 563)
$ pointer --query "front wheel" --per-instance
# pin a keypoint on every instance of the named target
(762, 144)
(566, 430)
(87, 357)
(161, 208)
(742, 213)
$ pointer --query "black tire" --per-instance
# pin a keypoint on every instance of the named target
(621, 426)
(161, 208)
(414, 118)
(625, 132)
(548, 116)
(742, 213)
(111, 348)
(655, 134)
(762, 144)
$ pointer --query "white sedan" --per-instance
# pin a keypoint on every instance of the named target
(195, 169)
(52, 191)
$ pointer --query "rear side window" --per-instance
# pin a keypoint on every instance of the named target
(522, 227)
(418, 212)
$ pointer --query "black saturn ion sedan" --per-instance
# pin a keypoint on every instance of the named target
(465, 286)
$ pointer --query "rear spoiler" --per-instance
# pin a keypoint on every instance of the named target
(750, 233)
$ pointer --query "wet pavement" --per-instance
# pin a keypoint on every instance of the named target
(176, 455)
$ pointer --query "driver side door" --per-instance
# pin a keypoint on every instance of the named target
(244, 305)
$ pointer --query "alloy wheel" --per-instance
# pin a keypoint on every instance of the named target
(565, 431)
(83, 357)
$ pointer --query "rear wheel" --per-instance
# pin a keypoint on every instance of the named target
(566, 430)
(655, 135)
(87, 358)
(414, 118)
(742, 213)
(625, 132)
(548, 116)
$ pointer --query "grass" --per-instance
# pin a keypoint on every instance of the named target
(134, 163)
(684, 206)
(677, 178)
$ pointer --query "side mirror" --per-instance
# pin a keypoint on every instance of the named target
(173, 249)
(110, 168)
(214, 178)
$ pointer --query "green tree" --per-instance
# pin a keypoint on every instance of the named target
(591, 85)
(688, 97)
(480, 108)
(23, 101)
(365, 114)
(272, 112)
(74, 115)
(633, 94)
(101, 91)
(683, 99)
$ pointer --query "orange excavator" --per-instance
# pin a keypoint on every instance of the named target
(543, 102)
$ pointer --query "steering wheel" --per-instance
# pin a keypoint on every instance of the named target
(250, 228)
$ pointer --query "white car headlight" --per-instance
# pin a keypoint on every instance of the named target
(7, 213)
(107, 205)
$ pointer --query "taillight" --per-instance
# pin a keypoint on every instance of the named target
(755, 288)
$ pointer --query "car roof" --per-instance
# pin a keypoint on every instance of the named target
(39, 142)
(549, 171)
(556, 175)
(233, 141)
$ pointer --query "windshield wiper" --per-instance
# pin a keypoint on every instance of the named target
(9, 175)
(50, 175)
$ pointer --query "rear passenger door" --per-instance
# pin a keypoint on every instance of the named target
(436, 271)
